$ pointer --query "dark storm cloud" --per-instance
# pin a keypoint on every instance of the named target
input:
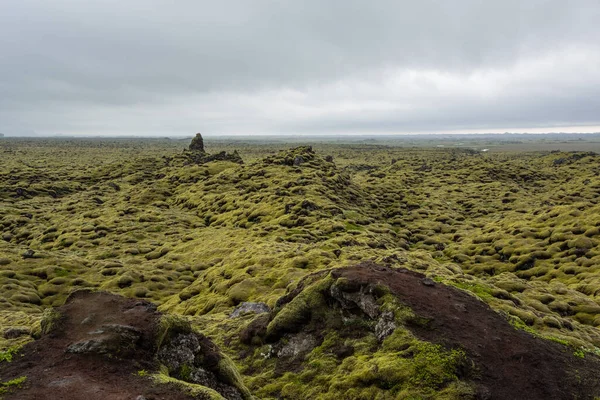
(165, 67)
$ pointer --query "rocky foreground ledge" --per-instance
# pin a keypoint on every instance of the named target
(104, 346)
(382, 330)
(429, 338)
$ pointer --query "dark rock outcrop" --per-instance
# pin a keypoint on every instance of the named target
(196, 157)
(113, 339)
(197, 143)
(194, 358)
(196, 154)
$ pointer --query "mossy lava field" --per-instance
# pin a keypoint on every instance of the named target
(312, 271)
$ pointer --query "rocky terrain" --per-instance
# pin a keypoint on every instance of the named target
(333, 271)
(99, 345)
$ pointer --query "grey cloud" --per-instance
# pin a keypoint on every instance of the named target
(133, 66)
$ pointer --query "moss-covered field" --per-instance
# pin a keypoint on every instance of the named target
(519, 230)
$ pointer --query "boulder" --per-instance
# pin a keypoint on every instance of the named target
(250, 307)
(113, 339)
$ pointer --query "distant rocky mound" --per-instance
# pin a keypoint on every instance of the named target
(195, 154)
(104, 346)
(294, 157)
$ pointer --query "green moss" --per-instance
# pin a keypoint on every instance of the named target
(196, 391)
(399, 340)
(581, 243)
(185, 372)
(242, 291)
(8, 354)
(9, 386)
(49, 321)
(433, 365)
(478, 289)
(422, 369)
(522, 319)
(515, 229)
(579, 353)
(300, 309)
(229, 373)
(169, 325)
(558, 340)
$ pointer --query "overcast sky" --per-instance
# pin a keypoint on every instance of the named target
(173, 68)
